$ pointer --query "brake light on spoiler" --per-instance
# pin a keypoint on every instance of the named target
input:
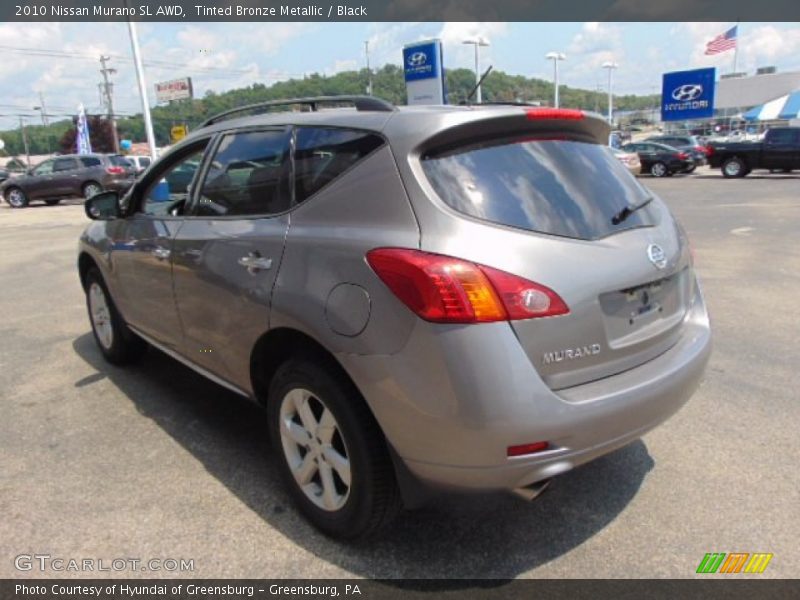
(565, 114)
(444, 289)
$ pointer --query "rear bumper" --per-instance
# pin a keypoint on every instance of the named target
(118, 185)
(451, 404)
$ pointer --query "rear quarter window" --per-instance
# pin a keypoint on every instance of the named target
(565, 188)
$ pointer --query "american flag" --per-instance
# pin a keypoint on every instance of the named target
(724, 41)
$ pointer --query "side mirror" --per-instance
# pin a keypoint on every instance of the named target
(103, 206)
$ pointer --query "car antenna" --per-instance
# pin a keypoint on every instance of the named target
(477, 85)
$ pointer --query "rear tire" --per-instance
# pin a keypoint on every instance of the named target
(734, 167)
(91, 188)
(332, 453)
(16, 198)
(52, 202)
(118, 344)
(659, 169)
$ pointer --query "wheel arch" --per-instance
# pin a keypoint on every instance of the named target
(85, 264)
(276, 346)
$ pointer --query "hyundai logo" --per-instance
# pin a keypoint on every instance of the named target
(687, 92)
(657, 256)
(417, 59)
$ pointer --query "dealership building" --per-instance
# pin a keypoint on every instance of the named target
(736, 95)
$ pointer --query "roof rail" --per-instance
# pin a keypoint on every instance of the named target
(363, 103)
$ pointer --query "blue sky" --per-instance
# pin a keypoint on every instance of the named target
(221, 56)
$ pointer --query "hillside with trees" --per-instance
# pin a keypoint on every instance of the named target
(387, 83)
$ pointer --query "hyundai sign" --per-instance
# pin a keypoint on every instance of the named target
(688, 95)
(424, 75)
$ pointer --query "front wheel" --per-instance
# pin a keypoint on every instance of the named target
(734, 167)
(659, 169)
(333, 455)
(16, 198)
(116, 341)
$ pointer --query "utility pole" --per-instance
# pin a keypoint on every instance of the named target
(478, 42)
(108, 91)
(369, 71)
(45, 122)
(25, 141)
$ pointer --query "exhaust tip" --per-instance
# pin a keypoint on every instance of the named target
(532, 491)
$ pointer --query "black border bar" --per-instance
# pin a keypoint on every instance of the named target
(399, 10)
(728, 587)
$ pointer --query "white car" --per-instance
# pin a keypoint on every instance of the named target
(140, 162)
(630, 160)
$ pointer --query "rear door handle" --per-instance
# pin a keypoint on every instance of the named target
(255, 263)
(160, 253)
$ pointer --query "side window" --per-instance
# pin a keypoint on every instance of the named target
(45, 168)
(321, 155)
(247, 176)
(781, 136)
(90, 161)
(144, 162)
(172, 184)
(65, 164)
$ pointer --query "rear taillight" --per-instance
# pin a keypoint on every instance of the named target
(701, 149)
(683, 155)
(115, 170)
(568, 114)
(443, 289)
(709, 150)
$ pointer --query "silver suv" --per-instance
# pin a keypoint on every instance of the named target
(476, 297)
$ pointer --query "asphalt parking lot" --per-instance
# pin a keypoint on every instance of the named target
(156, 462)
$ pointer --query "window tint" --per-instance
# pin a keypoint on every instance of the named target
(119, 161)
(90, 161)
(781, 136)
(321, 155)
(247, 176)
(44, 168)
(64, 164)
(173, 184)
(565, 188)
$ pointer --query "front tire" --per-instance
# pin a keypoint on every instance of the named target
(16, 198)
(118, 344)
(734, 167)
(659, 169)
(332, 453)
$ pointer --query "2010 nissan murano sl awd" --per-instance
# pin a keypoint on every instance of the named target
(475, 297)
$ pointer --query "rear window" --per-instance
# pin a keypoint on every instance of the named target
(120, 161)
(565, 188)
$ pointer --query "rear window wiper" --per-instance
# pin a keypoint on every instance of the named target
(629, 210)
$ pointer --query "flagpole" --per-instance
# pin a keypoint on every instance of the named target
(736, 48)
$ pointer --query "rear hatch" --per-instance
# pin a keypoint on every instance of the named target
(129, 169)
(556, 207)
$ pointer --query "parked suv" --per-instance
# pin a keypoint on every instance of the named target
(68, 176)
(474, 297)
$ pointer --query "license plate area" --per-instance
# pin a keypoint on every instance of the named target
(635, 314)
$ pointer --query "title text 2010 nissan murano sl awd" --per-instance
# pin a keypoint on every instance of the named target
(475, 297)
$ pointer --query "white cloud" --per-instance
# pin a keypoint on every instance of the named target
(459, 54)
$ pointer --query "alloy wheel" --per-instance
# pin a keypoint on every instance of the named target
(314, 449)
(101, 316)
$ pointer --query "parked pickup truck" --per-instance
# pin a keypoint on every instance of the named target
(779, 151)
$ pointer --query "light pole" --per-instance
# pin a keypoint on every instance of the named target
(477, 42)
(610, 66)
(555, 57)
(369, 71)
